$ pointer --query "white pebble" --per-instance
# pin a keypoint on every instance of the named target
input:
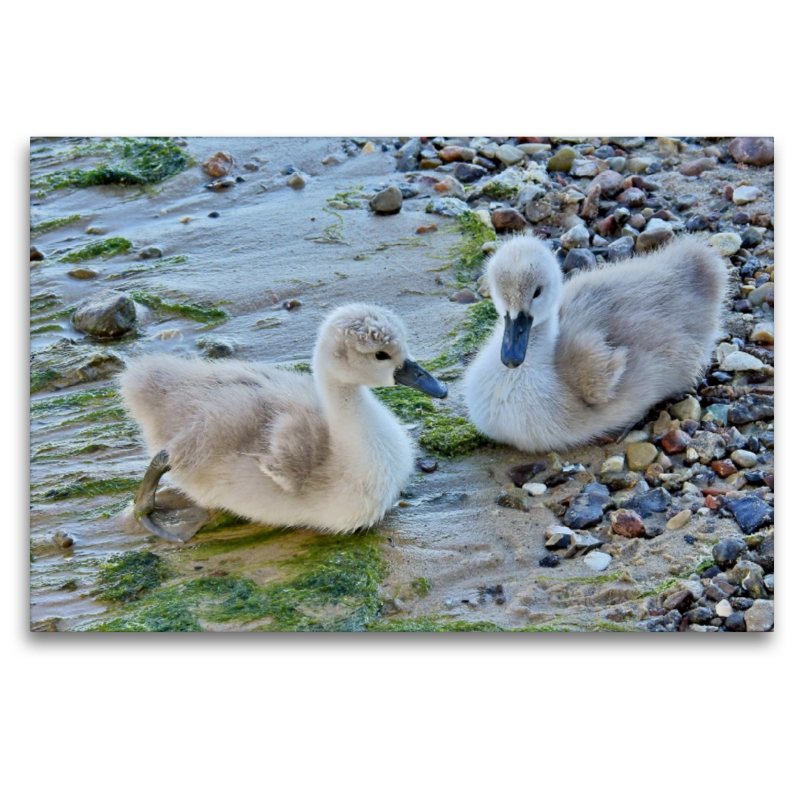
(597, 560)
(535, 488)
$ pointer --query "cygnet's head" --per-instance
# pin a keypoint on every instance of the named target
(366, 345)
(525, 282)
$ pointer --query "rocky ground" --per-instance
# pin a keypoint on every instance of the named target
(240, 246)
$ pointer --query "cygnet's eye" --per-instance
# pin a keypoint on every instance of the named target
(381, 356)
(537, 291)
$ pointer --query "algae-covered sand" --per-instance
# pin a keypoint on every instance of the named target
(229, 262)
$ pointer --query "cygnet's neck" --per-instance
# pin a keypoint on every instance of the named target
(542, 342)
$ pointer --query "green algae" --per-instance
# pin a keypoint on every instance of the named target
(209, 314)
(422, 586)
(46, 329)
(468, 254)
(52, 224)
(434, 624)
(443, 434)
(450, 436)
(128, 576)
(478, 323)
(42, 377)
(496, 190)
(106, 248)
(132, 272)
(131, 162)
(332, 585)
(70, 401)
(590, 579)
(87, 487)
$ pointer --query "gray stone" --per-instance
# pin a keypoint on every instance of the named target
(576, 237)
(105, 315)
(756, 150)
(621, 249)
(579, 258)
(744, 458)
(710, 446)
(760, 617)
(562, 159)
(653, 239)
(509, 154)
(409, 155)
(150, 252)
(687, 409)
(726, 551)
(746, 194)
(584, 510)
(388, 201)
(751, 408)
(726, 243)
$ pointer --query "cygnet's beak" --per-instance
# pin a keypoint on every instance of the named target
(412, 374)
(515, 339)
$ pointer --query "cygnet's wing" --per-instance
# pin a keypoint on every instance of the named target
(590, 365)
(294, 449)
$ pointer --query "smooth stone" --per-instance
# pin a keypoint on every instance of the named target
(726, 243)
(687, 409)
(105, 315)
(759, 294)
(643, 164)
(723, 608)
(597, 560)
(218, 165)
(464, 296)
(447, 207)
(763, 332)
(760, 617)
(746, 194)
(621, 249)
(752, 237)
(633, 197)
(535, 488)
(409, 155)
(562, 159)
(736, 622)
(613, 464)
(679, 520)
(579, 258)
(611, 183)
(640, 455)
(744, 458)
(468, 173)
(450, 187)
(576, 237)
(297, 181)
(150, 252)
(675, 441)
(508, 219)
(741, 362)
(756, 150)
(653, 239)
(679, 600)
(388, 201)
(509, 155)
(697, 166)
(83, 273)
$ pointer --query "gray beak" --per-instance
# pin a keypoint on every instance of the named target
(515, 339)
(412, 374)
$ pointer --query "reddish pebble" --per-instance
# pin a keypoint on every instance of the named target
(450, 153)
(728, 193)
(680, 601)
(675, 441)
(218, 165)
(770, 481)
(508, 219)
(724, 468)
(627, 523)
(426, 229)
(711, 503)
(697, 166)
(606, 226)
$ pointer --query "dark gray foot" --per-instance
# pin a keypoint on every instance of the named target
(145, 502)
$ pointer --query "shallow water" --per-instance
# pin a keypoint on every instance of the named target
(447, 545)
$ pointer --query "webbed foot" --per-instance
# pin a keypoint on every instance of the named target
(145, 503)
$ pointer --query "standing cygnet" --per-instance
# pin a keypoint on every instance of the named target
(278, 447)
(570, 361)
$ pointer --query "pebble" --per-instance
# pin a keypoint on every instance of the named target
(408, 155)
(723, 608)
(426, 229)
(679, 600)
(618, 164)
(333, 160)
(464, 296)
(388, 201)
(685, 201)
(726, 243)
(36, 254)
(508, 219)
(579, 258)
(597, 560)
(514, 498)
(751, 512)
(221, 347)
(468, 173)
(549, 561)
(218, 165)
(653, 239)
(613, 464)
(700, 615)
(644, 164)
(63, 540)
(640, 455)
(760, 617)
(83, 273)
(688, 409)
(627, 523)
(724, 468)
(150, 252)
(535, 488)
(759, 295)
(739, 361)
(218, 186)
(679, 520)
(214, 214)
(619, 480)
(584, 510)
(710, 446)
(427, 464)
(744, 458)
(655, 501)
(697, 222)
(750, 408)
(621, 249)
(105, 315)
(522, 473)
(450, 187)
(561, 160)
(698, 166)
(632, 197)
(735, 622)
(675, 441)
(576, 237)
(752, 237)
(509, 155)
(558, 537)
(756, 150)
(611, 183)
(746, 194)
(296, 181)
